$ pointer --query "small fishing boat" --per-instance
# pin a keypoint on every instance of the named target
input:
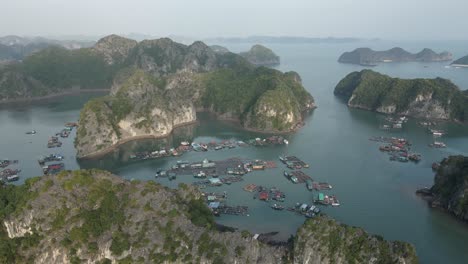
(277, 207)
(32, 132)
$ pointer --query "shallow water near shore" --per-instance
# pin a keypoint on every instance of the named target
(375, 194)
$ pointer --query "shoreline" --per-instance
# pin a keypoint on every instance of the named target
(459, 65)
(51, 96)
(235, 122)
(454, 121)
(105, 151)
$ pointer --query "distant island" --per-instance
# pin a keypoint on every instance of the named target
(258, 55)
(261, 56)
(462, 62)
(280, 39)
(369, 57)
(450, 187)
(219, 49)
(15, 48)
(424, 98)
(96, 217)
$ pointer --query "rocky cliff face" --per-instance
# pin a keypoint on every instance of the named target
(93, 216)
(261, 56)
(162, 83)
(115, 49)
(423, 98)
(139, 107)
(450, 189)
(366, 56)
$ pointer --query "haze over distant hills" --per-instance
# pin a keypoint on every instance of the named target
(14, 48)
(280, 39)
(367, 56)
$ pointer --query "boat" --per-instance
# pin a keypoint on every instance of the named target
(184, 143)
(277, 207)
(310, 185)
(172, 176)
(438, 144)
(294, 179)
(32, 132)
(402, 159)
(200, 175)
(334, 201)
(286, 141)
(218, 147)
(11, 178)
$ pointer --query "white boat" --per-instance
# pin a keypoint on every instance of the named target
(286, 141)
(438, 144)
(184, 143)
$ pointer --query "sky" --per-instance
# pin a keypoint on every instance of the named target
(386, 19)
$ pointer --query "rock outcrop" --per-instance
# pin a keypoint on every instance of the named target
(367, 56)
(91, 216)
(114, 49)
(450, 189)
(423, 98)
(162, 84)
(261, 56)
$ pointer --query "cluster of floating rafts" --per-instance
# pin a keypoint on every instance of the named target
(54, 142)
(9, 175)
(308, 211)
(272, 194)
(53, 168)
(394, 123)
(186, 146)
(398, 149)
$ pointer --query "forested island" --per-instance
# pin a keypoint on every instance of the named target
(369, 57)
(461, 62)
(423, 98)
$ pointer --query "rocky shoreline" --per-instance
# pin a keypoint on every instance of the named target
(102, 152)
(450, 187)
(235, 122)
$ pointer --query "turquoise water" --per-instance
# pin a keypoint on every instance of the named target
(375, 194)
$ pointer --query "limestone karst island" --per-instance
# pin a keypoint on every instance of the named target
(212, 132)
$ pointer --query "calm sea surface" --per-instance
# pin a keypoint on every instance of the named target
(375, 194)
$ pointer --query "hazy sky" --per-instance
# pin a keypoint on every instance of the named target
(388, 19)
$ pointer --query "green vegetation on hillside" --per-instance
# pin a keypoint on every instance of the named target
(451, 185)
(372, 90)
(62, 68)
(354, 245)
(81, 214)
(237, 90)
